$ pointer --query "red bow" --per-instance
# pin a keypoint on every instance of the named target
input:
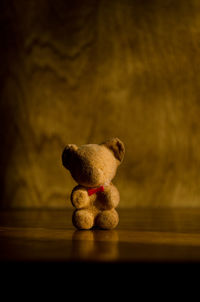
(95, 190)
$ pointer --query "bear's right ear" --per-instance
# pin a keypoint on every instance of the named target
(67, 155)
(117, 147)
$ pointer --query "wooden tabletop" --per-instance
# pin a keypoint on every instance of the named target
(143, 235)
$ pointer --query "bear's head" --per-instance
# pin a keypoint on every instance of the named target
(93, 165)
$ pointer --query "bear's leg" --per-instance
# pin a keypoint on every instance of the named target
(107, 219)
(83, 219)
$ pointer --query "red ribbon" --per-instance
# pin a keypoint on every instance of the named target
(95, 190)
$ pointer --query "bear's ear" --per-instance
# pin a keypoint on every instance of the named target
(67, 155)
(117, 147)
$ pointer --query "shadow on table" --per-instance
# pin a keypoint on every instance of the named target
(95, 245)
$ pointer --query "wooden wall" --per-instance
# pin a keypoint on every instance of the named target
(81, 71)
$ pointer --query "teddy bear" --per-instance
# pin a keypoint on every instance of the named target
(93, 166)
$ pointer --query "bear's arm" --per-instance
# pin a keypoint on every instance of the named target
(79, 197)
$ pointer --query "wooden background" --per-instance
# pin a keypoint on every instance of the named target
(81, 71)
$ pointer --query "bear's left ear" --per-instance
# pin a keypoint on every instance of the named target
(68, 154)
(117, 147)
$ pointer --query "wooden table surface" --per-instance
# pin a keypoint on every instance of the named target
(143, 235)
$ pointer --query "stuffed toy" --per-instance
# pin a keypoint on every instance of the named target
(93, 166)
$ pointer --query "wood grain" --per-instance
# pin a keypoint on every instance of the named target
(82, 71)
(143, 235)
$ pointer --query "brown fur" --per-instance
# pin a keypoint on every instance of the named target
(92, 166)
